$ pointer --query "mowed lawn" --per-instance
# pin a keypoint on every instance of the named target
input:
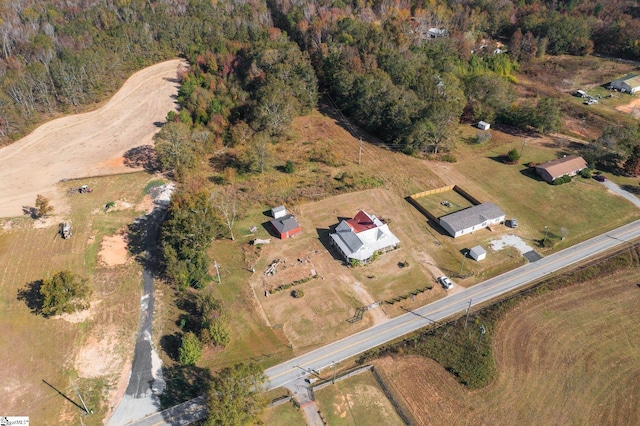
(41, 348)
(358, 400)
(444, 203)
(283, 414)
(569, 356)
(583, 207)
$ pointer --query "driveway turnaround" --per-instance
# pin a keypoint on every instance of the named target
(313, 362)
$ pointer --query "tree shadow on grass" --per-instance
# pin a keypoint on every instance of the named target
(633, 189)
(143, 156)
(31, 296)
(170, 344)
(183, 383)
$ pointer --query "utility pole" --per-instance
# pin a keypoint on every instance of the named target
(546, 232)
(524, 142)
(360, 152)
(215, 265)
(79, 396)
(467, 317)
(464, 257)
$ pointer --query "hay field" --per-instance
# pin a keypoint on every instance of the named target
(567, 357)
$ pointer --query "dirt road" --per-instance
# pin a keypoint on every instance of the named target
(86, 144)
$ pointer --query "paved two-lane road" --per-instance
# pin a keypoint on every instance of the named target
(355, 344)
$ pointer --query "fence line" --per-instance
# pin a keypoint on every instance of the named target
(390, 397)
(432, 191)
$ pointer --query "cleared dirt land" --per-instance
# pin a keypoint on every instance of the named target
(568, 357)
(89, 144)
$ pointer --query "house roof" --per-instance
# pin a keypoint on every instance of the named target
(362, 236)
(633, 80)
(285, 224)
(278, 209)
(363, 221)
(563, 166)
(472, 216)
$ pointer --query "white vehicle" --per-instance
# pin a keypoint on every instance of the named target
(446, 282)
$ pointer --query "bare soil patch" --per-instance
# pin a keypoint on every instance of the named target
(632, 108)
(567, 357)
(89, 144)
(113, 250)
(98, 357)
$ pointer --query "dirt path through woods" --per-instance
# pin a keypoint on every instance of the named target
(88, 144)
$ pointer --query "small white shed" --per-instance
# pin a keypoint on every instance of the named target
(478, 253)
(278, 212)
(483, 125)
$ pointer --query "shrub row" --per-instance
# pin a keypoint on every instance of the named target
(561, 180)
(408, 295)
(293, 284)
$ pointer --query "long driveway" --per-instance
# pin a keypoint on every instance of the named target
(319, 359)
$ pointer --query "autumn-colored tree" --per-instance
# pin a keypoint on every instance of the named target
(43, 206)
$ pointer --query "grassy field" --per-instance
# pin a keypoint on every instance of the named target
(92, 347)
(433, 203)
(567, 356)
(283, 414)
(270, 329)
(358, 400)
(536, 204)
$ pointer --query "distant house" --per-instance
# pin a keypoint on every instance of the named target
(286, 226)
(478, 253)
(362, 237)
(483, 125)
(628, 84)
(569, 165)
(278, 212)
(436, 32)
(471, 219)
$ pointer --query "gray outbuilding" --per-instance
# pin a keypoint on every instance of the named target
(478, 253)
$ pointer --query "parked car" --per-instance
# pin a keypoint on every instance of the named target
(445, 282)
(600, 178)
(511, 223)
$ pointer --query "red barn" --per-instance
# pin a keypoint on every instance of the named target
(286, 226)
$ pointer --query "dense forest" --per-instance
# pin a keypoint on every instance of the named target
(406, 70)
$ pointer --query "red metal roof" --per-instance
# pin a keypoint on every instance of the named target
(361, 222)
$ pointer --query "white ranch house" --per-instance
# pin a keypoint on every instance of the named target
(471, 219)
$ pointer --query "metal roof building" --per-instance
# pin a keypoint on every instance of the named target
(471, 219)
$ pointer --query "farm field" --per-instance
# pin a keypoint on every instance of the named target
(569, 356)
(355, 401)
(91, 346)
